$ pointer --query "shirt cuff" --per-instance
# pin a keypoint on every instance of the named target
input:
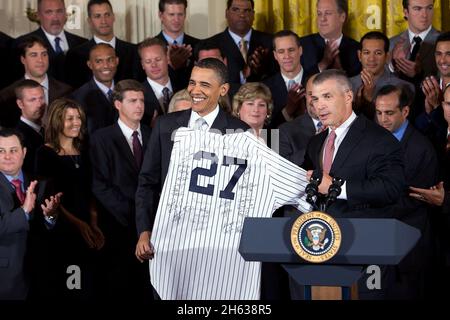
(391, 67)
(343, 194)
(49, 222)
(27, 215)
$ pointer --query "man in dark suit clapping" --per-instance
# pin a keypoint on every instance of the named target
(18, 198)
(330, 48)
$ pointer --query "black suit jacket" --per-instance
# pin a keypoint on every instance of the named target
(14, 231)
(5, 62)
(152, 103)
(421, 170)
(157, 158)
(56, 61)
(33, 140)
(182, 74)
(279, 92)
(100, 112)
(115, 174)
(370, 160)
(314, 45)
(294, 138)
(10, 112)
(235, 61)
(79, 73)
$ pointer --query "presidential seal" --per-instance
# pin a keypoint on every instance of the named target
(316, 236)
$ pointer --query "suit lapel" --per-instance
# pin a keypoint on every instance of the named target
(6, 188)
(351, 140)
(427, 47)
(309, 124)
(221, 121)
(183, 119)
(151, 100)
(317, 149)
(406, 136)
(233, 48)
(123, 145)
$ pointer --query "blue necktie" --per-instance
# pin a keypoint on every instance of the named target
(58, 48)
(175, 42)
(110, 95)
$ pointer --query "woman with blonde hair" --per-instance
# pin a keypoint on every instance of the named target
(63, 159)
(253, 105)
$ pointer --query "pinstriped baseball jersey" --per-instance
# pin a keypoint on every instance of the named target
(215, 181)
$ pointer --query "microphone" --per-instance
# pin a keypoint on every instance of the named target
(312, 189)
(334, 190)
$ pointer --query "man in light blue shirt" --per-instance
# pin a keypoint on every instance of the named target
(421, 169)
(18, 197)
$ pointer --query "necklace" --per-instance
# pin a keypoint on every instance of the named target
(75, 161)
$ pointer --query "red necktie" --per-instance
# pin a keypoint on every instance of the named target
(137, 149)
(18, 187)
(328, 152)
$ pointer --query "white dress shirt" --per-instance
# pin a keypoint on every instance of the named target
(128, 133)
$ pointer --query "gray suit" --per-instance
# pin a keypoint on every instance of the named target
(14, 229)
(386, 78)
(426, 52)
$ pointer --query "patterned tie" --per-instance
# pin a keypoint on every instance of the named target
(243, 48)
(109, 94)
(416, 48)
(165, 99)
(201, 124)
(319, 127)
(328, 152)
(137, 149)
(290, 84)
(18, 187)
(58, 48)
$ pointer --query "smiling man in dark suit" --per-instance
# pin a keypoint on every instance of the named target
(330, 48)
(95, 96)
(101, 20)
(52, 16)
(19, 215)
(209, 81)
(116, 154)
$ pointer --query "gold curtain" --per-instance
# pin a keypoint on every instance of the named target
(364, 16)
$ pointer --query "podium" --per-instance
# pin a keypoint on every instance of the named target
(364, 242)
